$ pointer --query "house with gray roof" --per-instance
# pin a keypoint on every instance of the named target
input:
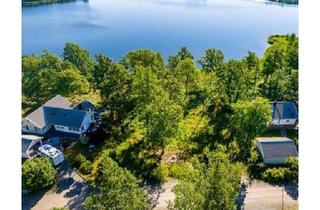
(284, 113)
(276, 150)
(57, 114)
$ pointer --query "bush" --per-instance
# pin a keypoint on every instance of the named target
(86, 167)
(293, 170)
(38, 174)
(275, 175)
(160, 173)
(180, 171)
(78, 160)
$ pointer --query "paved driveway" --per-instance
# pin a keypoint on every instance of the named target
(70, 192)
(259, 195)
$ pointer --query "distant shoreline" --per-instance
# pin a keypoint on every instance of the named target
(286, 1)
(30, 3)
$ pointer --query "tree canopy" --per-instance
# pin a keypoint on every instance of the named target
(118, 189)
(37, 174)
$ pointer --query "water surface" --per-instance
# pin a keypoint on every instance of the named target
(114, 27)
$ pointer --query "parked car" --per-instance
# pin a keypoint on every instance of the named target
(52, 153)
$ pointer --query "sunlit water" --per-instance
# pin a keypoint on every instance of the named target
(114, 27)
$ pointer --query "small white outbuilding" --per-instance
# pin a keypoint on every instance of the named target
(29, 146)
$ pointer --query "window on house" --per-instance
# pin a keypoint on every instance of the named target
(27, 127)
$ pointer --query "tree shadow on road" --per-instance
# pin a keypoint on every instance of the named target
(76, 189)
(78, 194)
(243, 194)
(64, 184)
(30, 200)
(292, 190)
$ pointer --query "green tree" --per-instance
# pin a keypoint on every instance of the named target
(187, 74)
(101, 70)
(115, 90)
(80, 58)
(274, 72)
(159, 114)
(254, 71)
(144, 58)
(70, 82)
(214, 186)
(38, 173)
(249, 120)
(118, 189)
(174, 60)
(212, 60)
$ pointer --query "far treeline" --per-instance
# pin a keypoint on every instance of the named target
(287, 1)
(28, 3)
(210, 115)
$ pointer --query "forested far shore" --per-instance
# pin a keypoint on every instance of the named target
(286, 1)
(28, 3)
(208, 116)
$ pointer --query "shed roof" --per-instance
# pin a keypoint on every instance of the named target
(64, 117)
(27, 141)
(277, 148)
(284, 110)
(37, 116)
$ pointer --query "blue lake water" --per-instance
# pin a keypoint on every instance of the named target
(114, 27)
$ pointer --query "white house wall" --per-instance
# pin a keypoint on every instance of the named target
(284, 122)
(88, 118)
(65, 129)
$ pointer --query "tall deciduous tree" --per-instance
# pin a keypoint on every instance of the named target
(115, 90)
(174, 60)
(249, 120)
(212, 60)
(144, 58)
(79, 57)
(160, 115)
(215, 186)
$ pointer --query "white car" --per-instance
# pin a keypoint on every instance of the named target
(51, 152)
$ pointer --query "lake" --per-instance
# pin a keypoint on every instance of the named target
(114, 27)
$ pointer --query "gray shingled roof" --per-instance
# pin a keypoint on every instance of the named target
(37, 116)
(278, 148)
(284, 110)
(65, 117)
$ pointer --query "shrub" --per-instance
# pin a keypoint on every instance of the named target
(78, 160)
(86, 167)
(38, 174)
(180, 171)
(256, 170)
(274, 175)
(292, 174)
(160, 173)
